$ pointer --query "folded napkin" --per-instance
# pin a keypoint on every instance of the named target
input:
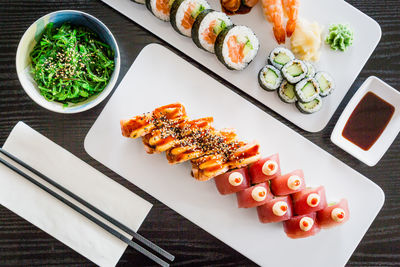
(54, 217)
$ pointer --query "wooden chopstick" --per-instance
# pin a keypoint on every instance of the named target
(91, 207)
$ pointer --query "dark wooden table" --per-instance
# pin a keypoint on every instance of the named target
(21, 243)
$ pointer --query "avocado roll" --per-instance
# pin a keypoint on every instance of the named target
(294, 71)
(310, 69)
(325, 83)
(160, 8)
(310, 107)
(236, 47)
(139, 1)
(184, 13)
(307, 90)
(286, 92)
(269, 78)
(207, 26)
(280, 56)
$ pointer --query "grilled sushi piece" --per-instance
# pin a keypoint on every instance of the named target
(245, 154)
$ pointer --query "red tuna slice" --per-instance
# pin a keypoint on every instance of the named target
(334, 215)
(301, 226)
(265, 169)
(233, 181)
(288, 184)
(309, 200)
(275, 210)
(254, 196)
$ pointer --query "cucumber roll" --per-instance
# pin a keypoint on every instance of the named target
(286, 92)
(160, 8)
(294, 71)
(184, 13)
(139, 1)
(310, 70)
(280, 56)
(310, 107)
(236, 47)
(269, 78)
(307, 90)
(325, 82)
(207, 26)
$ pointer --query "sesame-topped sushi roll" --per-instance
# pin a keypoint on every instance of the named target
(288, 184)
(334, 214)
(301, 226)
(277, 209)
(254, 196)
(236, 47)
(309, 200)
(207, 26)
(160, 8)
(233, 181)
(184, 14)
(265, 169)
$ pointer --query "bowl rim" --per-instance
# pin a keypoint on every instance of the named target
(85, 105)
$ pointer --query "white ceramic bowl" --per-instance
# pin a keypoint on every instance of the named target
(33, 34)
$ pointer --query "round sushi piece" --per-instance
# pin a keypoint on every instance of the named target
(288, 184)
(265, 169)
(233, 181)
(301, 226)
(334, 214)
(277, 209)
(269, 78)
(310, 107)
(309, 200)
(254, 196)
(280, 56)
(184, 14)
(294, 71)
(207, 26)
(139, 1)
(236, 47)
(286, 92)
(307, 90)
(325, 82)
(310, 69)
(160, 8)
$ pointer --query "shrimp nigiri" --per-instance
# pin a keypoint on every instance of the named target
(274, 13)
(291, 8)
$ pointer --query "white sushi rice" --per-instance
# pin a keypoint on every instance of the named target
(181, 13)
(158, 13)
(205, 23)
(242, 33)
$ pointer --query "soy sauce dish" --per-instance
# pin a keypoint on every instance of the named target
(68, 61)
(370, 122)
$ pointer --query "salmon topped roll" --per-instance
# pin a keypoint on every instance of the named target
(160, 8)
(336, 213)
(244, 154)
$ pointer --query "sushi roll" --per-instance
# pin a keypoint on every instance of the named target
(245, 154)
(294, 71)
(254, 196)
(209, 166)
(160, 8)
(233, 181)
(277, 209)
(334, 214)
(280, 56)
(325, 82)
(301, 226)
(309, 200)
(265, 169)
(307, 90)
(207, 26)
(236, 47)
(288, 184)
(286, 92)
(142, 2)
(310, 107)
(310, 69)
(184, 13)
(269, 78)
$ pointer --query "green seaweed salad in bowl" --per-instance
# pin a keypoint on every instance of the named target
(68, 61)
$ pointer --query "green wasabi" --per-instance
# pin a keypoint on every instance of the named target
(340, 37)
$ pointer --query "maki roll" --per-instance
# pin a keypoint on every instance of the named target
(254, 196)
(184, 13)
(265, 169)
(280, 56)
(307, 90)
(325, 83)
(310, 70)
(286, 92)
(288, 184)
(236, 47)
(309, 200)
(276, 210)
(294, 71)
(269, 78)
(207, 26)
(310, 107)
(159, 8)
(139, 1)
(301, 226)
(334, 214)
(233, 181)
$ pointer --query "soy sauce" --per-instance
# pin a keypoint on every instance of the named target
(367, 121)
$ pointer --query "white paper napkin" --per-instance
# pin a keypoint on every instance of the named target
(54, 217)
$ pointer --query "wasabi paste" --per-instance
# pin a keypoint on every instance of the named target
(340, 37)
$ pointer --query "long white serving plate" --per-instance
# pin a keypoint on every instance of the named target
(344, 67)
(159, 77)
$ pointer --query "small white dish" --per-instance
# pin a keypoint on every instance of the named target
(378, 149)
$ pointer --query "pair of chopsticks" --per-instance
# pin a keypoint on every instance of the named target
(107, 228)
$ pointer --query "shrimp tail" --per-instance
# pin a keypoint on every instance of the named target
(280, 34)
(290, 27)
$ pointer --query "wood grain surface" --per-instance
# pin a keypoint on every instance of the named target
(22, 244)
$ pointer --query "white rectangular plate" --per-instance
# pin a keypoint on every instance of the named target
(159, 77)
(344, 67)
